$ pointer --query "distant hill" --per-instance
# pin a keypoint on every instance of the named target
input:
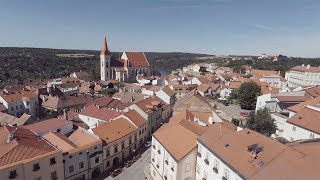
(19, 64)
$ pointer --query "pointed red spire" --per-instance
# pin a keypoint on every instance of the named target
(104, 49)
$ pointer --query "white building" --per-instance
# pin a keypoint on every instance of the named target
(18, 103)
(229, 155)
(303, 76)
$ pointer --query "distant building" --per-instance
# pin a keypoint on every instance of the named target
(20, 102)
(303, 76)
(124, 69)
(82, 75)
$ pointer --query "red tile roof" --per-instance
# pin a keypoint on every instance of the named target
(306, 69)
(114, 130)
(24, 145)
(135, 117)
(137, 59)
(99, 113)
(47, 125)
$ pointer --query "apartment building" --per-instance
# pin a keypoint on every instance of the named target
(232, 155)
(82, 153)
(172, 158)
(120, 139)
(26, 155)
(20, 102)
(303, 76)
(152, 110)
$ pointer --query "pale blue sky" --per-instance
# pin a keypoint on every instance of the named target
(290, 27)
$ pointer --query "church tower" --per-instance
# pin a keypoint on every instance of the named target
(105, 62)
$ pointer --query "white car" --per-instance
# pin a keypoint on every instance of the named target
(147, 144)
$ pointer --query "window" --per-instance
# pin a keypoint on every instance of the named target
(71, 169)
(20, 106)
(54, 175)
(11, 108)
(80, 153)
(96, 159)
(122, 145)
(36, 167)
(16, 107)
(13, 174)
(116, 148)
(216, 164)
(130, 140)
(37, 178)
(108, 152)
(198, 168)
(311, 135)
(70, 156)
(293, 128)
(188, 167)
(52, 161)
(226, 173)
(291, 139)
(135, 137)
(95, 147)
(108, 163)
(81, 165)
(205, 175)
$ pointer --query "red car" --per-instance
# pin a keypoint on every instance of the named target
(244, 114)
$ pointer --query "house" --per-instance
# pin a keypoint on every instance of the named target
(303, 76)
(25, 154)
(82, 75)
(124, 69)
(193, 101)
(228, 88)
(68, 85)
(59, 125)
(166, 95)
(152, 110)
(82, 153)
(94, 115)
(181, 89)
(60, 103)
(119, 139)
(172, 158)
(204, 90)
(7, 119)
(20, 102)
(245, 154)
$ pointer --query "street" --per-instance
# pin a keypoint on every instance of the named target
(135, 171)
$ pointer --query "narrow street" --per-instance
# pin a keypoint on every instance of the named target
(136, 171)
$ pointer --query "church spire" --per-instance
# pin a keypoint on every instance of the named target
(104, 49)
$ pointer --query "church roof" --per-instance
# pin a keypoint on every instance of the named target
(137, 59)
(104, 49)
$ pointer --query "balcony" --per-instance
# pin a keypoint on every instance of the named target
(224, 178)
(166, 161)
(206, 161)
(159, 152)
(198, 154)
(152, 159)
(157, 166)
(154, 147)
(215, 170)
(172, 169)
(165, 177)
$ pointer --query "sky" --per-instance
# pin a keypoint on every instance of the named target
(220, 27)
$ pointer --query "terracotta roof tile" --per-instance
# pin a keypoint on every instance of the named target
(307, 118)
(99, 113)
(47, 125)
(137, 59)
(114, 130)
(306, 69)
(135, 117)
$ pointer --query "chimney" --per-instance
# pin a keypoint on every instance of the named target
(308, 66)
(65, 114)
(9, 138)
(302, 65)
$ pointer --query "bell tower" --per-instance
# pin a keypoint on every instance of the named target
(105, 61)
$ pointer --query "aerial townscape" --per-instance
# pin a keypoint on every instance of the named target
(201, 121)
(160, 90)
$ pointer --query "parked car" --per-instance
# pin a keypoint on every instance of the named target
(147, 144)
(244, 114)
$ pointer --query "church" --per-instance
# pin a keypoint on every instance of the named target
(124, 69)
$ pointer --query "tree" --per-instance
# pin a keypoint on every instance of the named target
(236, 122)
(261, 122)
(248, 93)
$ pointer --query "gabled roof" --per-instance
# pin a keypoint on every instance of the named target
(137, 59)
(307, 118)
(135, 117)
(47, 125)
(24, 145)
(306, 69)
(168, 91)
(114, 130)
(99, 113)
